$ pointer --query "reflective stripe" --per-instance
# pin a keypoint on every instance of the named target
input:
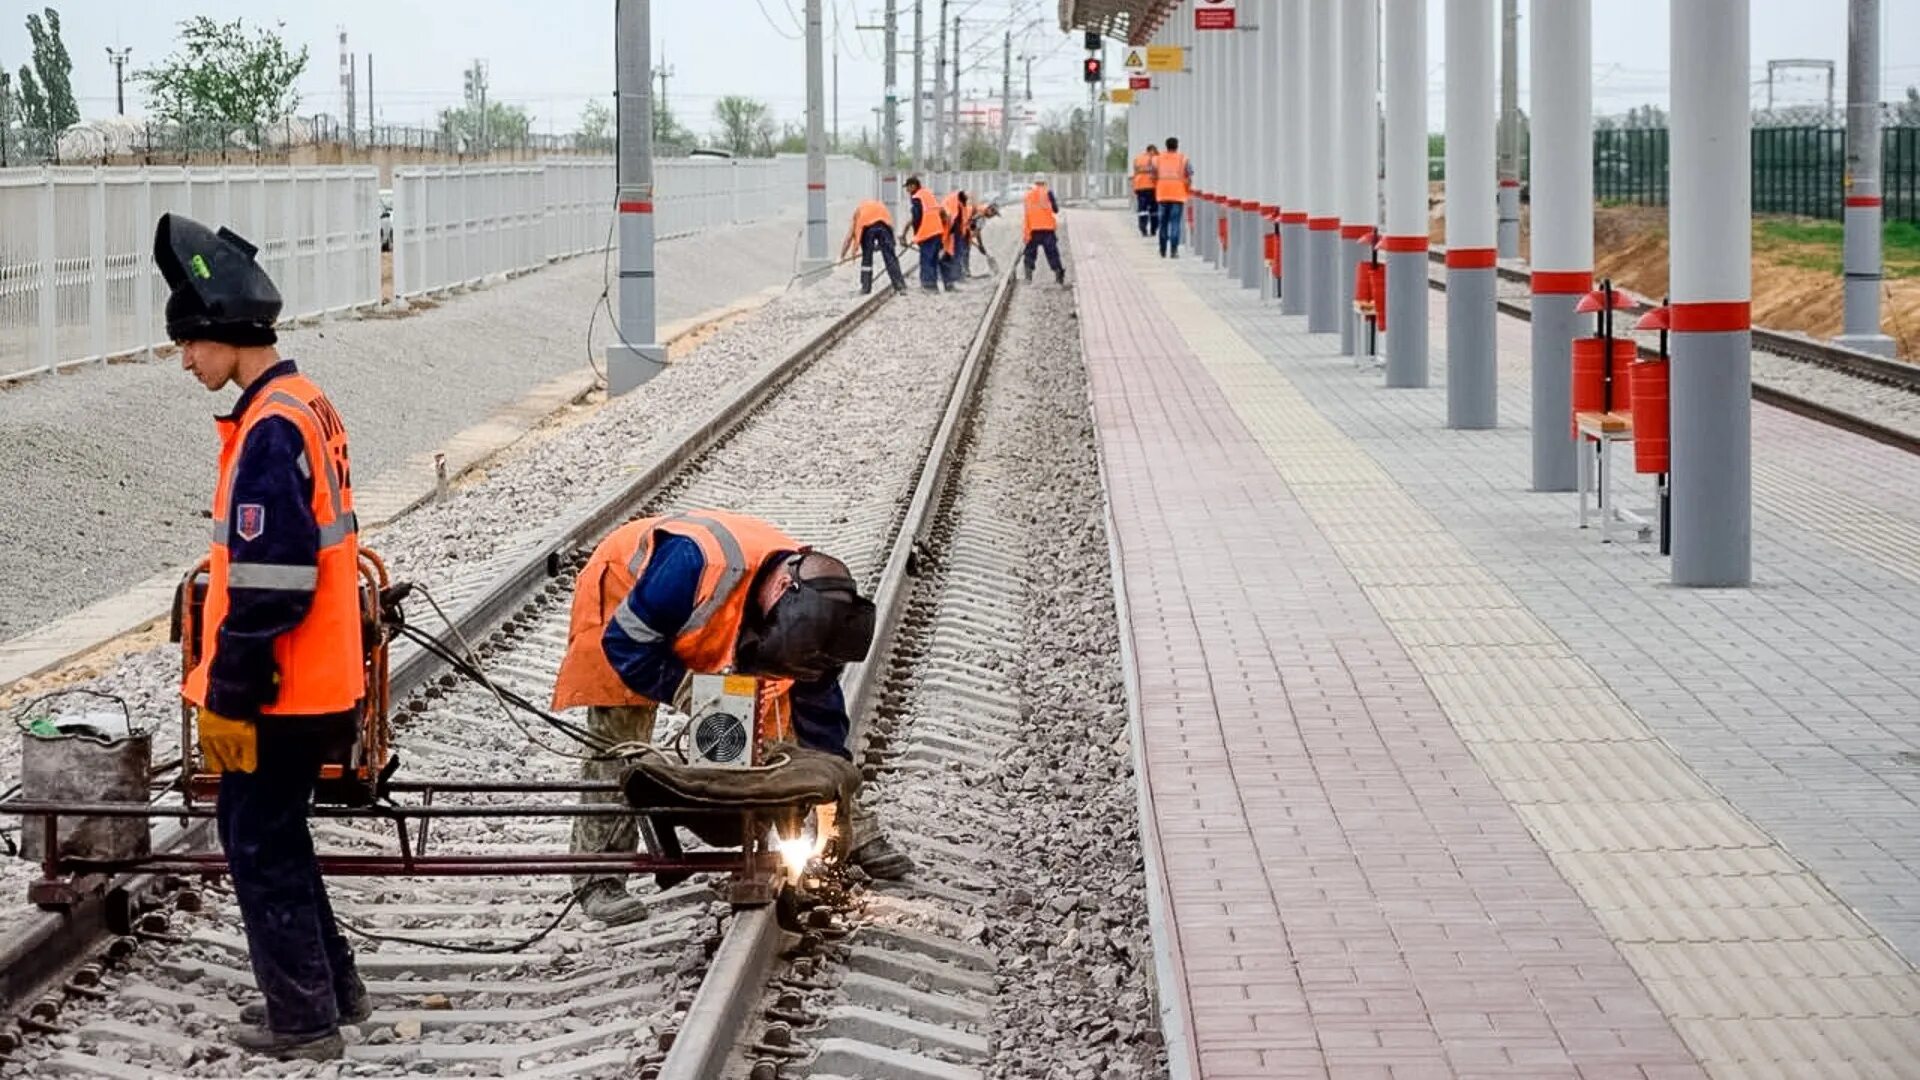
(219, 532)
(300, 462)
(731, 574)
(634, 626)
(337, 530)
(249, 575)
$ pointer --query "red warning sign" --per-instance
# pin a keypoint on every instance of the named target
(1213, 14)
(1139, 82)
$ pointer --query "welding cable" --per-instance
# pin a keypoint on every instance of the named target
(468, 665)
(449, 946)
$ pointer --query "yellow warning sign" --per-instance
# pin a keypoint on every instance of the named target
(1166, 58)
(1136, 60)
(1120, 95)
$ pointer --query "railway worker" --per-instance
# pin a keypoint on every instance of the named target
(872, 229)
(927, 229)
(1144, 206)
(1172, 179)
(280, 673)
(1040, 228)
(709, 591)
(956, 246)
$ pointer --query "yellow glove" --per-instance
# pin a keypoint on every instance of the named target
(227, 745)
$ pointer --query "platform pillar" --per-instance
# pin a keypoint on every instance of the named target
(1359, 151)
(1293, 163)
(1562, 156)
(1862, 210)
(1323, 158)
(1472, 371)
(1405, 243)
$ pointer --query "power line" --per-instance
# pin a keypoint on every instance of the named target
(761, 4)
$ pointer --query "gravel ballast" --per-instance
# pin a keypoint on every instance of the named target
(108, 468)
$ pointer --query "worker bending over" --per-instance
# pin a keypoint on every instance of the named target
(1042, 223)
(1144, 206)
(280, 672)
(958, 241)
(927, 229)
(708, 592)
(1172, 178)
(872, 229)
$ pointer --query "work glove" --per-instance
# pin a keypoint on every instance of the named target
(228, 745)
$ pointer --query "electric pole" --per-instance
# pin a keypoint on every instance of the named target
(629, 365)
(663, 71)
(369, 99)
(939, 148)
(119, 59)
(890, 117)
(917, 42)
(1860, 252)
(1006, 99)
(816, 259)
(1507, 200)
(956, 92)
(836, 80)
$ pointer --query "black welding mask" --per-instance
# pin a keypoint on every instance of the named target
(816, 627)
(218, 292)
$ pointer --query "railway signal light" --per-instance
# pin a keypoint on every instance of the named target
(1091, 69)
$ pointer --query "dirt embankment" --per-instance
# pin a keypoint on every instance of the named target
(1796, 281)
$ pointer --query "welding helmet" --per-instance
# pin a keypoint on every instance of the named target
(218, 292)
(817, 626)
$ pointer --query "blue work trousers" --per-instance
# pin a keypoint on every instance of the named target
(1172, 217)
(1147, 210)
(1044, 240)
(300, 960)
(877, 237)
(930, 264)
(953, 268)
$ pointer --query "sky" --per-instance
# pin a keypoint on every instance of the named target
(554, 55)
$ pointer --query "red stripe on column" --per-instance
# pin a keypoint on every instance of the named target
(1711, 317)
(1863, 200)
(636, 208)
(1403, 243)
(816, 187)
(1323, 224)
(1509, 183)
(1293, 217)
(1471, 258)
(1356, 232)
(1560, 282)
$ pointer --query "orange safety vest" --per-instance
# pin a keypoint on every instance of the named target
(321, 666)
(1039, 212)
(869, 213)
(1170, 177)
(733, 547)
(1143, 172)
(930, 227)
(957, 216)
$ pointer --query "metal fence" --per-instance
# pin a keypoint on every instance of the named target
(1796, 170)
(77, 280)
(456, 224)
(121, 140)
(1010, 185)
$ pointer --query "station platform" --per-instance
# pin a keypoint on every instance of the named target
(1434, 783)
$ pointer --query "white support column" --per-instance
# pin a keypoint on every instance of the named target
(1472, 378)
(1711, 376)
(1562, 98)
(1322, 94)
(1359, 151)
(1861, 254)
(1210, 169)
(1247, 260)
(1293, 163)
(1405, 243)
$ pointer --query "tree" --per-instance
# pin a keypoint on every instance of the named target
(46, 88)
(1118, 156)
(596, 127)
(978, 151)
(226, 74)
(1907, 113)
(667, 129)
(1059, 142)
(746, 126)
(506, 125)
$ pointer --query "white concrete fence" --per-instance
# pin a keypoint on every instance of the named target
(77, 280)
(78, 285)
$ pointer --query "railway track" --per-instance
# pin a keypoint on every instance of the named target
(161, 963)
(1895, 374)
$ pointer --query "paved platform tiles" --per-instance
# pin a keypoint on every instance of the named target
(1368, 751)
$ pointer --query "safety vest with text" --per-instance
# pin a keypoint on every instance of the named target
(1143, 172)
(320, 660)
(733, 547)
(1170, 177)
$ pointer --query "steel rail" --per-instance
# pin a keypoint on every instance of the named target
(738, 973)
(36, 953)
